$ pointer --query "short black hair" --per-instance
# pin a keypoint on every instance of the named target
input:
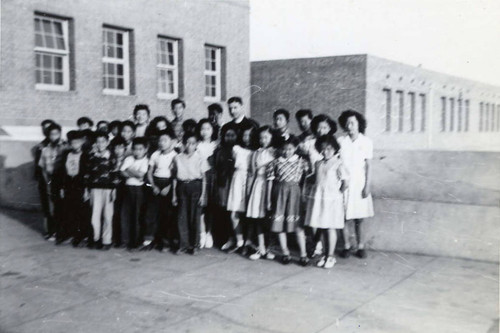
(128, 123)
(101, 134)
(303, 113)
(283, 112)
(84, 120)
(177, 101)
(46, 122)
(117, 141)
(235, 99)
(140, 141)
(74, 135)
(168, 132)
(206, 121)
(189, 135)
(100, 122)
(322, 118)
(359, 117)
(328, 140)
(115, 124)
(140, 107)
(54, 127)
(215, 107)
(189, 125)
(226, 128)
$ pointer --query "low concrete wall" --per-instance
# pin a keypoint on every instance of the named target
(427, 202)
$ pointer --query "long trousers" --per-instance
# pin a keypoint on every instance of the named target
(102, 214)
(188, 216)
(161, 221)
(74, 213)
(132, 213)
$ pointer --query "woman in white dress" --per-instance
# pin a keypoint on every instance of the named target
(356, 153)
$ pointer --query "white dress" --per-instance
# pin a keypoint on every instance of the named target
(237, 198)
(258, 166)
(325, 207)
(354, 155)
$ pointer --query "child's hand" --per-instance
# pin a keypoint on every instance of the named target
(156, 190)
(202, 202)
(112, 197)
(174, 200)
(61, 193)
(366, 192)
(165, 191)
(86, 195)
(269, 206)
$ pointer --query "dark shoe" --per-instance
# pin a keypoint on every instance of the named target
(285, 260)
(234, 248)
(59, 241)
(75, 242)
(148, 247)
(106, 247)
(180, 251)
(303, 261)
(346, 253)
(98, 246)
(361, 253)
(91, 244)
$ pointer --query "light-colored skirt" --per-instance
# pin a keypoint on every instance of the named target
(236, 199)
(257, 200)
(325, 208)
(358, 207)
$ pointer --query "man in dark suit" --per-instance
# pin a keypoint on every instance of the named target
(236, 111)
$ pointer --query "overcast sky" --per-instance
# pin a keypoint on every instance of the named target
(457, 37)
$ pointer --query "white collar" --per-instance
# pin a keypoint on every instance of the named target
(239, 120)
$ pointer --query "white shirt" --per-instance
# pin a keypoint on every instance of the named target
(190, 167)
(162, 163)
(206, 149)
(354, 153)
(137, 165)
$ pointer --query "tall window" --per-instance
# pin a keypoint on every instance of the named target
(213, 73)
(388, 107)
(481, 116)
(168, 67)
(411, 96)
(401, 108)
(51, 53)
(467, 114)
(498, 117)
(423, 107)
(443, 114)
(486, 125)
(459, 115)
(493, 122)
(452, 114)
(115, 61)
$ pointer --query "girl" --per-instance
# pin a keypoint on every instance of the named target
(237, 197)
(325, 208)
(320, 125)
(257, 183)
(223, 166)
(207, 136)
(356, 153)
(284, 197)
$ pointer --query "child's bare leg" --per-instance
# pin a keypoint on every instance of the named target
(235, 219)
(202, 223)
(283, 243)
(332, 241)
(301, 240)
(360, 233)
(260, 238)
(346, 232)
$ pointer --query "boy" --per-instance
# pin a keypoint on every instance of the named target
(102, 126)
(304, 118)
(281, 118)
(215, 116)
(72, 188)
(141, 117)
(84, 123)
(128, 134)
(118, 148)
(134, 169)
(189, 193)
(50, 164)
(178, 107)
(101, 184)
(160, 178)
(114, 129)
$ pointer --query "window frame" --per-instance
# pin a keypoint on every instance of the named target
(217, 73)
(167, 67)
(125, 61)
(55, 52)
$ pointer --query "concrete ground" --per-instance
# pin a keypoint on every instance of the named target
(44, 288)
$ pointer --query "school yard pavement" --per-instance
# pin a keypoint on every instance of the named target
(44, 288)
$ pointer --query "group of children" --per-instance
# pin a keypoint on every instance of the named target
(189, 185)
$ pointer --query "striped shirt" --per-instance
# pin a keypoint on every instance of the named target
(287, 170)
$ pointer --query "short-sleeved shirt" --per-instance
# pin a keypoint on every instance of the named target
(137, 165)
(162, 163)
(190, 167)
(51, 157)
(206, 149)
(287, 170)
(140, 130)
(354, 153)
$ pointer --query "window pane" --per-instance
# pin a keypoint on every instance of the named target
(162, 46)
(38, 26)
(119, 38)
(47, 61)
(38, 60)
(170, 47)
(120, 84)
(207, 91)
(58, 78)
(213, 92)
(163, 59)
(60, 43)
(58, 28)
(214, 66)
(171, 59)
(58, 63)
(47, 27)
(111, 37)
(170, 76)
(111, 83)
(163, 86)
(119, 52)
(47, 77)
(38, 76)
(119, 70)
(171, 88)
(111, 69)
(49, 41)
(39, 40)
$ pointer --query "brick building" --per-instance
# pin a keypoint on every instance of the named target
(406, 107)
(64, 59)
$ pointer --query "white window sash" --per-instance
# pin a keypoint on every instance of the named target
(53, 51)
(217, 73)
(124, 61)
(174, 68)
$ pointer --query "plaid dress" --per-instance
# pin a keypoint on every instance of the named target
(286, 194)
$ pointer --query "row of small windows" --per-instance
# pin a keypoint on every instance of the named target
(489, 117)
(454, 114)
(409, 113)
(52, 60)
